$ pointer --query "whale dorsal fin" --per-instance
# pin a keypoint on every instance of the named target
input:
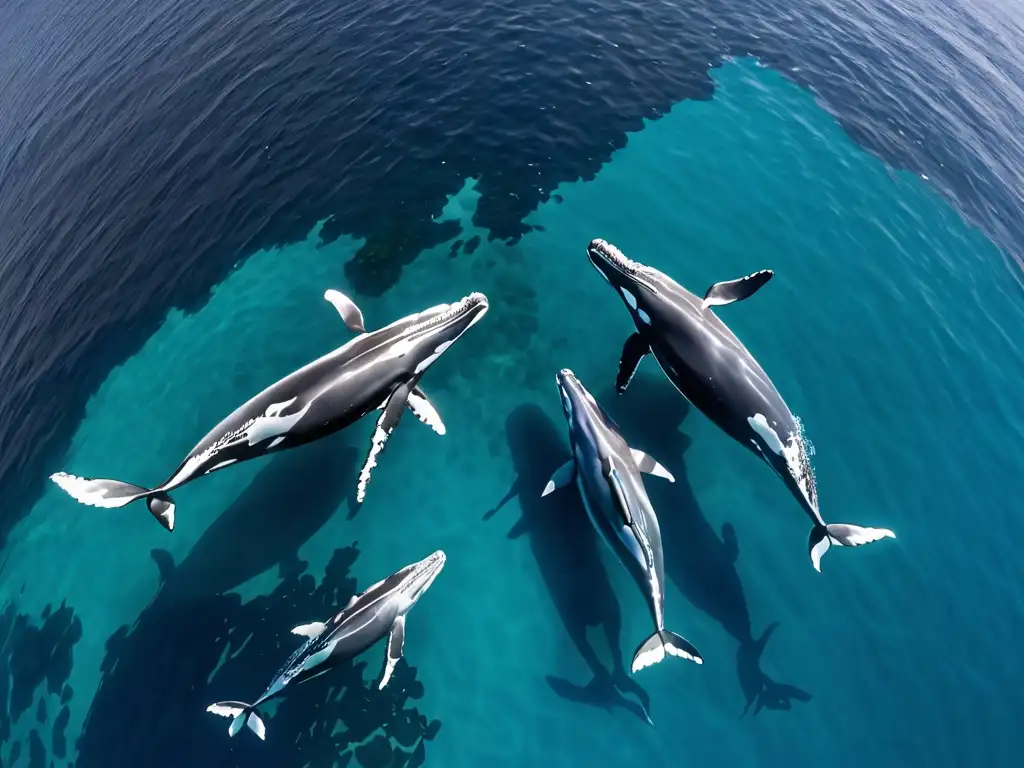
(633, 352)
(729, 291)
(425, 411)
(561, 477)
(347, 309)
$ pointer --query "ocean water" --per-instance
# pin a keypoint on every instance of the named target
(899, 365)
(890, 328)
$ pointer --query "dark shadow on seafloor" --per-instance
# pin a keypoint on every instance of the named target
(567, 552)
(194, 645)
(700, 563)
(36, 660)
(265, 527)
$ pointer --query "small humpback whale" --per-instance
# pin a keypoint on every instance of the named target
(607, 473)
(377, 370)
(714, 371)
(368, 617)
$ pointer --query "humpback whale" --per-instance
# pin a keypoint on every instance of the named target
(376, 370)
(712, 369)
(607, 474)
(368, 617)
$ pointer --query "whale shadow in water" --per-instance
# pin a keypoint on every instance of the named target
(195, 645)
(283, 508)
(700, 562)
(566, 548)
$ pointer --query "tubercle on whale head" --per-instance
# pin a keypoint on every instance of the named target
(575, 396)
(601, 251)
(438, 328)
(459, 316)
(564, 379)
(619, 270)
(567, 382)
(422, 574)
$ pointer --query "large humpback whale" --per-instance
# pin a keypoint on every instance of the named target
(368, 617)
(607, 473)
(714, 371)
(377, 370)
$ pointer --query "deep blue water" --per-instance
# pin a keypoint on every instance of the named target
(181, 182)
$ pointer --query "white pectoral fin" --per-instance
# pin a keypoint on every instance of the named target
(310, 630)
(396, 642)
(729, 291)
(650, 466)
(424, 410)
(386, 424)
(564, 475)
(347, 309)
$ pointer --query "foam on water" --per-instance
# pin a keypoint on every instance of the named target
(888, 327)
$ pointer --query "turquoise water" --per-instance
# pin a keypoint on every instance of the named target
(889, 328)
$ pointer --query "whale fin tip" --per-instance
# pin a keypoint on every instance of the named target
(729, 291)
(348, 310)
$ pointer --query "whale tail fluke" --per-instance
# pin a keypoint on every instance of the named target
(240, 714)
(663, 642)
(843, 534)
(111, 494)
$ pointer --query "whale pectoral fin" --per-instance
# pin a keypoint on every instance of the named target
(386, 424)
(633, 352)
(425, 411)
(564, 475)
(521, 526)
(347, 309)
(648, 465)
(396, 641)
(729, 291)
